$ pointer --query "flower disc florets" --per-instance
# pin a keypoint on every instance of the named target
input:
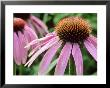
(73, 29)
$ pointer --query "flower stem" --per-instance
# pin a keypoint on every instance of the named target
(14, 69)
(20, 69)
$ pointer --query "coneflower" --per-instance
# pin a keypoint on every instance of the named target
(22, 36)
(34, 22)
(70, 32)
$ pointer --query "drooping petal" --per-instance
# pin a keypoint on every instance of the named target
(93, 40)
(91, 48)
(48, 45)
(40, 43)
(38, 21)
(48, 58)
(41, 40)
(42, 28)
(76, 52)
(30, 30)
(30, 34)
(23, 51)
(27, 35)
(16, 50)
(38, 46)
(63, 59)
(39, 29)
(29, 23)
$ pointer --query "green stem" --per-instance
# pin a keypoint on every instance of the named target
(20, 69)
(14, 68)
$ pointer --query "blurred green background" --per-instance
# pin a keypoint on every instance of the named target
(51, 19)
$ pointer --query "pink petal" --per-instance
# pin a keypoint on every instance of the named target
(16, 50)
(29, 23)
(91, 48)
(28, 29)
(38, 21)
(48, 58)
(76, 52)
(41, 27)
(41, 40)
(39, 30)
(63, 59)
(38, 46)
(30, 34)
(23, 51)
(48, 45)
(93, 40)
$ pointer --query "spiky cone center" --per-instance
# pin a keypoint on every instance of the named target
(73, 29)
(18, 24)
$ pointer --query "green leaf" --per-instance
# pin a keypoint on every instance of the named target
(70, 69)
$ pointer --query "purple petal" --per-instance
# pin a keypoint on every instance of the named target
(38, 21)
(91, 48)
(76, 52)
(29, 23)
(39, 30)
(38, 41)
(42, 49)
(63, 59)
(16, 50)
(29, 30)
(41, 27)
(38, 46)
(93, 40)
(30, 34)
(23, 51)
(48, 58)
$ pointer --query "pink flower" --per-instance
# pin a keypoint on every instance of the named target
(22, 36)
(35, 23)
(70, 32)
